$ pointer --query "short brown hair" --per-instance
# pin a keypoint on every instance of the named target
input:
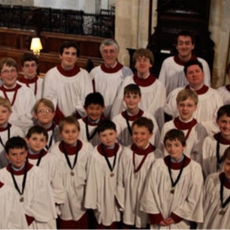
(69, 120)
(144, 122)
(5, 103)
(132, 89)
(46, 102)
(8, 62)
(28, 57)
(37, 129)
(175, 134)
(226, 154)
(143, 53)
(186, 94)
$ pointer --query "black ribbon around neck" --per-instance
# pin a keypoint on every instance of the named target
(23, 182)
(87, 130)
(67, 158)
(8, 134)
(180, 173)
(51, 139)
(40, 157)
(128, 125)
(219, 159)
(107, 160)
(223, 204)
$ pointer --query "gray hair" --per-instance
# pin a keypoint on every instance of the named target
(109, 42)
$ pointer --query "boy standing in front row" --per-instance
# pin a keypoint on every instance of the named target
(134, 166)
(173, 193)
(102, 177)
(33, 189)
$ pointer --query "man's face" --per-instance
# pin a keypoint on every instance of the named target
(184, 46)
(68, 58)
(195, 76)
(30, 69)
(109, 55)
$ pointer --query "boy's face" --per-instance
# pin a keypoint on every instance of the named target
(109, 55)
(9, 75)
(143, 65)
(69, 134)
(226, 168)
(30, 69)
(94, 111)
(174, 148)
(44, 115)
(36, 142)
(186, 109)
(131, 100)
(224, 125)
(184, 46)
(68, 58)
(141, 136)
(4, 115)
(17, 157)
(195, 76)
(108, 137)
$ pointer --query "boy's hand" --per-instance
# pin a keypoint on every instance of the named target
(169, 221)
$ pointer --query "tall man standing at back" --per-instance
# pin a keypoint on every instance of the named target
(172, 74)
(107, 78)
(67, 85)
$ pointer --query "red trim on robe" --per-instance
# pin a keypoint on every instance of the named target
(10, 90)
(5, 129)
(114, 225)
(58, 115)
(27, 81)
(226, 182)
(179, 62)
(142, 152)
(111, 70)
(204, 89)
(36, 156)
(176, 218)
(144, 82)
(183, 125)
(155, 218)
(71, 150)
(93, 83)
(20, 172)
(109, 152)
(222, 140)
(177, 166)
(134, 117)
(77, 115)
(29, 219)
(68, 73)
(51, 127)
(1, 184)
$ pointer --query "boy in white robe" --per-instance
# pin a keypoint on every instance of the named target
(94, 106)
(123, 121)
(173, 193)
(172, 74)
(135, 163)
(153, 93)
(7, 130)
(67, 85)
(217, 197)
(108, 77)
(20, 97)
(215, 145)
(44, 113)
(29, 63)
(102, 178)
(194, 132)
(225, 90)
(209, 99)
(71, 159)
(11, 214)
(31, 184)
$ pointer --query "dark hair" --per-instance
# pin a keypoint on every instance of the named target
(226, 154)
(105, 125)
(175, 134)
(228, 69)
(133, 89)
(190, 63)
(37, 129)
(15, 143)
(94, 98)
(223, 110)
(28, 57)
(68, 44)
(186, 33)
(144, 122)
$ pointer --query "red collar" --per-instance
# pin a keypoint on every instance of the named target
(27, 81)
(51, 127)
(203, 90)
(134, 117)
(142, 152)
(71, 150)
(180, 125)
(179, 62)
(177, 166)
(69, 73)
(221, 139)
(226, 182)
(144, 82)
(109, 152)
(111, 70)
(20, 172)
(36, 156)
(10, 90)
(1, 184)
(4, 129)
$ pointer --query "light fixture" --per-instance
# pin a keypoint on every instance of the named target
(36, 46)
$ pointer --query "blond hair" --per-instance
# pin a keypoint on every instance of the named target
(187, 94)
(46, 102)
(69, 120)
(5, 103)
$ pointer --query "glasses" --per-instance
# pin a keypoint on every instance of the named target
(9, 71)
(42, 111)
(28, 65)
